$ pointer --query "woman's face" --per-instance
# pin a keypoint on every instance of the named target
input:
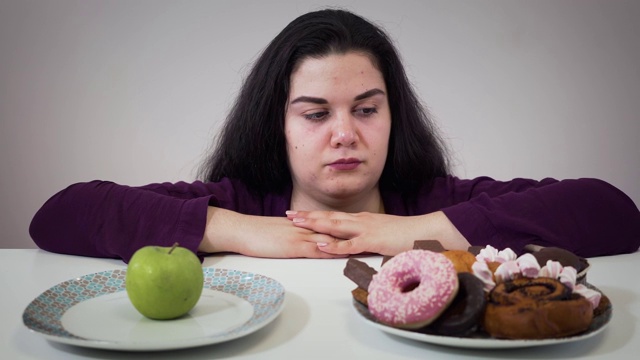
(337, 127)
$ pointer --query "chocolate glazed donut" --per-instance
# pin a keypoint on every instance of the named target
(538, 308)
(465, 312)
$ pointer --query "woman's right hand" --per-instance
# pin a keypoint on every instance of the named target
(260, 236)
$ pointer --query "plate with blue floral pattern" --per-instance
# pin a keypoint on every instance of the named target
(94, 311)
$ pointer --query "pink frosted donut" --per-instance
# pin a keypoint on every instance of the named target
(412, 289)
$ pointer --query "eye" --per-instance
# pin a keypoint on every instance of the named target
(316, 116)
(366, 112)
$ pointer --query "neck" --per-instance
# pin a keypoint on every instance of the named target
(369, 202)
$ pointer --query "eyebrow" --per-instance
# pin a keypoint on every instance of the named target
(320, 101)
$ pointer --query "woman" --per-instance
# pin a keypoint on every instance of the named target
(328, 152)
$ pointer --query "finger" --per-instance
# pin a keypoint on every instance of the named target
(317, 214)
(302, 249)
(322, 239)
(342, 247)
(315, 251)
(311, 242)
(339, 228)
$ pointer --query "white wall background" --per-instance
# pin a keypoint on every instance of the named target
(132, 91)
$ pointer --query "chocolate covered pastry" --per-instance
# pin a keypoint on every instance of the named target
(465, 312)
(564, 257)
(359, 272)
(432, 245)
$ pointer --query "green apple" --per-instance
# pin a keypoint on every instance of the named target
(164, 282)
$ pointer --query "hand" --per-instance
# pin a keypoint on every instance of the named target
(358, 233)
(377, 233)
(260, 236)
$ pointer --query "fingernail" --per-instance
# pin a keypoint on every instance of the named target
(298, 220)
(322, 244)
(290, 212)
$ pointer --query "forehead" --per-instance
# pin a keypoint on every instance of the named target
(335, 72)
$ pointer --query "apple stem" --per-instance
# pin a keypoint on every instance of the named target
(175, 245)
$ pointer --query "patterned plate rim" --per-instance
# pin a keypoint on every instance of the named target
(44, 313)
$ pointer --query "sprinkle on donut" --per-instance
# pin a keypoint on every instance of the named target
(412, 289)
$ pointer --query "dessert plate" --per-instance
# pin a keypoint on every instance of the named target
(483, 341)
(94, 311)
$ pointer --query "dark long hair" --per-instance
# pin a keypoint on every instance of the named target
(251, 146)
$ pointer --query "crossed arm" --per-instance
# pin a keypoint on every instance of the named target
(104, 219)
(324, 234)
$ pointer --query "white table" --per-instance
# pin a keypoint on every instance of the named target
(317, 322)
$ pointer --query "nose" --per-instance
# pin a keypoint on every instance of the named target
(344, 131)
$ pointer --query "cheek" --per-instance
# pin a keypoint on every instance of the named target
(299, 139)
(296, 151)
(294, 144)
(379, 140)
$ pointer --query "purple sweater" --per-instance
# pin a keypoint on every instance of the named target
(102, 219)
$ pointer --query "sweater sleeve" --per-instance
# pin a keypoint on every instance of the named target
(104, 219)
(586, 216)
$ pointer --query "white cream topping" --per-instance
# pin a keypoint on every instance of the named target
(508, 270)
(592, 295)
(481, 271)
(552, 269)
(528, 265)
(568, 276)
(512, 266)
(491, 254)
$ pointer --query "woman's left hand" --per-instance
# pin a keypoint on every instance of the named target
(377, 233)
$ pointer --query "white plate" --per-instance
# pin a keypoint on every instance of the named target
(480, 341)
(94, 311)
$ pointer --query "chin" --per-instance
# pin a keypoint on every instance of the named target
(346, 191)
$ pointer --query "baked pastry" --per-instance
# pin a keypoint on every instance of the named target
(360, 295)
(465, 312)
(462, 260)
(361, 274)
(412, 289)
(539, 308)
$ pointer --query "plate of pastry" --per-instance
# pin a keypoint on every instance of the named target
(94, 311)
(481, 340)
(484, 300)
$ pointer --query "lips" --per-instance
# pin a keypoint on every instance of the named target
(345, 164)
